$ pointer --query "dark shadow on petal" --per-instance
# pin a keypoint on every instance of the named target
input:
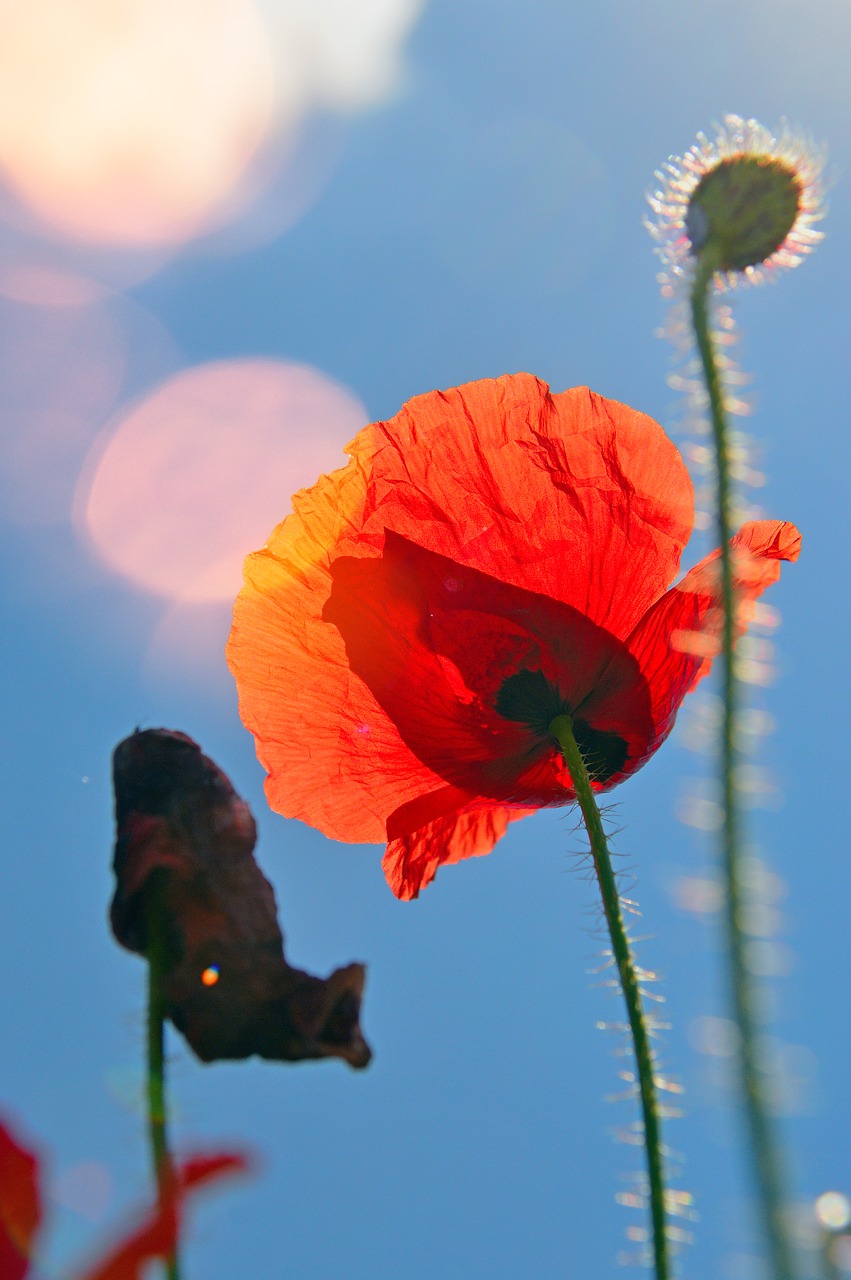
(528, 696)
(448, 652)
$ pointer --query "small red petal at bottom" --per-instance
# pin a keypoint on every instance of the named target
(158, 1234)
(411, 861)
(20, 1206)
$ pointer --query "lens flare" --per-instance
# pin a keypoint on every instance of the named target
(193, 477)
(833, 1210)
(61, 371)
(131, 122)
(47, 286)
(86, 1188)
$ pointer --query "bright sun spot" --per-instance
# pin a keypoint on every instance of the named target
(199, 473)
(833, 1210)
(128, 122)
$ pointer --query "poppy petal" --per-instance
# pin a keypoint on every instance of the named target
(20, 1206)
(570, 496)
(157, 1236)
(676, 641)
(411, 861)
(333, 757)
(472, 670)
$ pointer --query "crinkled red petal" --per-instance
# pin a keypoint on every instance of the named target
(676, 641)
(411, 861)
(569, 496)
(333, 757)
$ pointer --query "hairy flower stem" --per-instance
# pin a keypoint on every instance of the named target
(157, 1112)
(562, 729)
(764, 1149)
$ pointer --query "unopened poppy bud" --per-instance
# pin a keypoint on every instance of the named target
(742, 210)
(747, 199)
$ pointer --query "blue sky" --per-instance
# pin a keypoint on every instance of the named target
(485, 217)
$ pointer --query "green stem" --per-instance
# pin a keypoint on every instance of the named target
(765, 1152)
(562, 729)
(157, 1110)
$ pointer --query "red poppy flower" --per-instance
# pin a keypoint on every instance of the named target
(20, 1206)
(490, 558)
(21, 1213)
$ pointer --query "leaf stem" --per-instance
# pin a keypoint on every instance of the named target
(562, 729)
(157, 1108)
(764, 1150)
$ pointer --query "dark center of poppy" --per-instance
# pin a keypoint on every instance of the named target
(529, 698)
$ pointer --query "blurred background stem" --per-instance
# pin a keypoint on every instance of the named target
(562, 730)
(156, 1089)
(830, 1268)
(764, 1147)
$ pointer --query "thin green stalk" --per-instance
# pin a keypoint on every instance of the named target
(767, 1168)
(562, 729)
(157, 1109)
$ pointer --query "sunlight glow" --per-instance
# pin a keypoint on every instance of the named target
(61, 371)
(201, 471)
(334, 54)
(127, 122)
(47, 286)
(85, 1188)
(134, 124)
(833, 1210)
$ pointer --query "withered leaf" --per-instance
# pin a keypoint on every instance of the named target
(184, 832)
